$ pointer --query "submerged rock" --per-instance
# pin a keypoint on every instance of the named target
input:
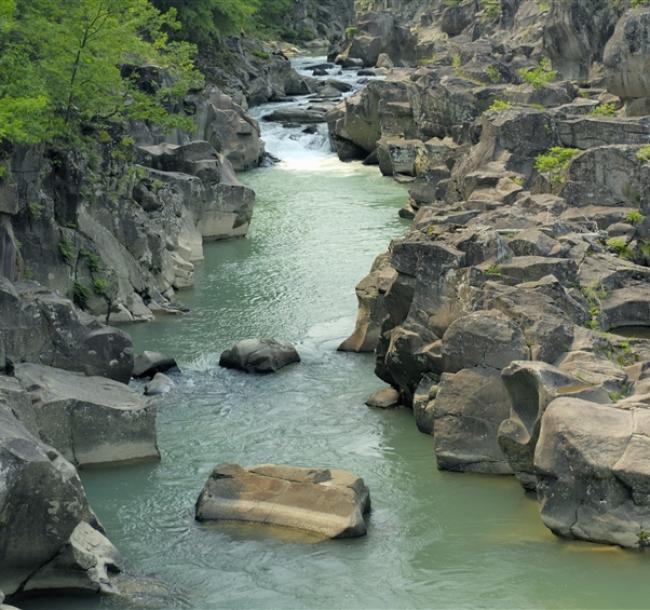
(90, 420)
(160, 384)
(328, 502)
(259, 356)
(384, 399)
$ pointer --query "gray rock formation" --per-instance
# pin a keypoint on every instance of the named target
(90, 420)
(331, 503)
(50, 538)
(496, 316)
(259, 356)
(39, 326)
(592, 463)
(147, 364)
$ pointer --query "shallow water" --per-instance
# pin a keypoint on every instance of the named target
(435, 540)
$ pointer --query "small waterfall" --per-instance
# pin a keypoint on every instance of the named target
(304, 147)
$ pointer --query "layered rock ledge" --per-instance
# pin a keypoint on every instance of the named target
(332, 503)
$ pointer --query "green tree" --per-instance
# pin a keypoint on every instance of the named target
(205, 19)
(63, 66)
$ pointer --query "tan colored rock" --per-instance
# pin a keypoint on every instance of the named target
(332, 503)
(384, 399)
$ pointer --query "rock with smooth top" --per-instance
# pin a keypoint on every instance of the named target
(331, 503)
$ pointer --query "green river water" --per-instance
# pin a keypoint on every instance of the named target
(435, 540)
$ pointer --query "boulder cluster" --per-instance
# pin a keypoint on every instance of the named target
(511, 316)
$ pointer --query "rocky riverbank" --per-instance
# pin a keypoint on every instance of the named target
(110, 232)
(500, 317)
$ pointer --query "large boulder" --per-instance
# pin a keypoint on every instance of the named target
(592, 462)
(90, 420)
(259, 356)
(44, 513)
(85, 564)
(483, 338)
(331, 503)
(379, 33)
(627, 56)
(469, 407)
(532, 386)
(39, 326)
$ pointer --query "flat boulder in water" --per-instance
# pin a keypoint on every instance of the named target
(332, 503)
(259, 356)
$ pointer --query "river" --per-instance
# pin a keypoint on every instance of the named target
(435, 540)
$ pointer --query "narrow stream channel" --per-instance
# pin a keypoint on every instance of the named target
(435, 540)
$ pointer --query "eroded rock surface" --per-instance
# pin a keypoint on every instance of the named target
(259, 356)
(332, 503)
(90, 420)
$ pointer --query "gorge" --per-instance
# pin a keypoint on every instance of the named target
(509, 313)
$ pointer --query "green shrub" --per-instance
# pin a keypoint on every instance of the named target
(540, 75)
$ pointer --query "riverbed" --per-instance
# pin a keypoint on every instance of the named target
(435, 540)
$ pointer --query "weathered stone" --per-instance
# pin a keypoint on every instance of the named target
(39, 326)
(331, 503)
(384, 399)
(532, 386)
(42, 504)
(84, 564)
(259, 356)
(160, 384)
(482, 338)
(627, 56)
(148, 364)
(592, 463)
(469, 407)
(90, 420)
(371, 313)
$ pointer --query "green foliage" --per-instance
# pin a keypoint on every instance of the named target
(608, 109)
(100, 286)
(499, 105)
(635, 217)
(62, 67)
(493, 269)
(643, 154)
(554, 163)
(620, 247)
(80, 295)
(203, 19)
(493, 74)
(66, 250)
(540, 75)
